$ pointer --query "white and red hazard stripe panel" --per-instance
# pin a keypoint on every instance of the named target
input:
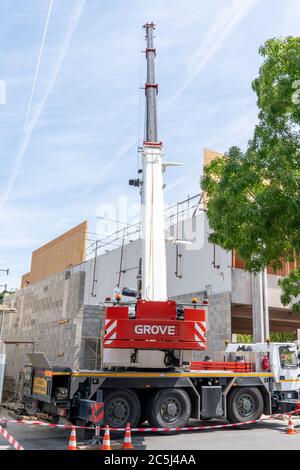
(110, 331)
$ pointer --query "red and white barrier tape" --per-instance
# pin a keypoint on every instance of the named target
(41, 423)
(10, 439)
(203, 428)
(147, 430)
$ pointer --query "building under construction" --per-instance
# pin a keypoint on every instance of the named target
(60, 312)
(58, 308)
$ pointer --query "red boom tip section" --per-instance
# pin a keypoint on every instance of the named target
(149, 25)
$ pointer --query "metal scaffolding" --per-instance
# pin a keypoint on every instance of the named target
(174, 214)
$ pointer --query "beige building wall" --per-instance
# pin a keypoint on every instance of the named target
(58, 255)
(209, 156)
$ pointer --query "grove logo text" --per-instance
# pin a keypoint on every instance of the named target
(168, 330)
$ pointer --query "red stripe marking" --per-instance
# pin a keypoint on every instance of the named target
(10, 439)
(107, 336)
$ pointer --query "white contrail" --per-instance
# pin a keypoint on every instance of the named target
(227, 21)
(225, 24)
(75, 17)
(38, 63)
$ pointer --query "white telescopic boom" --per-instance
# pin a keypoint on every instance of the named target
(154, 281)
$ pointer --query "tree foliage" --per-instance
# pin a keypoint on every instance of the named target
(274, 338)
(254, 196)
(2, 294)
(1, 297)
(291, 289)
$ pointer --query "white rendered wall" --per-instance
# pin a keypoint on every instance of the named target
(242, 289)
(195, 266)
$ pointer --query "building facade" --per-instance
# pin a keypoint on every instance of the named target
(59, 309)
(62, 315)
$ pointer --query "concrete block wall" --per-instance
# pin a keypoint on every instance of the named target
(218, 321)
(50, 314)
(61, 314)
(92, 325)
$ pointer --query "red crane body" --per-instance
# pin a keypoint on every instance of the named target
(155, 326)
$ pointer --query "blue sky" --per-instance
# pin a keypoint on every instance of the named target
(77, 149)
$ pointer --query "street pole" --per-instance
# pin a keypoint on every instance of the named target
(260, 307)
(266, 304)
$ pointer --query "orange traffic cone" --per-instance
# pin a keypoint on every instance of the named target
(127, 444)
(72, 442)
(290, 429)
(106, 440)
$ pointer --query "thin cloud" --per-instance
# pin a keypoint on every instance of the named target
(75, 17)
(214, 40)
(38, 62)
(105, 172)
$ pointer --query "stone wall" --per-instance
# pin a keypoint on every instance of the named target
(53, 316)
(92, 327)
(50, 315)
(218, 321)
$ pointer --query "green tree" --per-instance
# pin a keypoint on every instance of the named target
(254, 196)
(3, 293)
(274, 338)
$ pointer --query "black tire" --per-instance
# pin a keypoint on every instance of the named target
(169, 408)
(143, 417)
(144, 399)
(244, 404)
(84, 434)
(122, 407)
(54, 420)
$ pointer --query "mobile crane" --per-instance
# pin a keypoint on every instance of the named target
(148, 373)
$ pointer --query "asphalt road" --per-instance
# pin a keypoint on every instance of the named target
(268, 435)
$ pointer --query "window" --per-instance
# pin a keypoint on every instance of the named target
(288, 359)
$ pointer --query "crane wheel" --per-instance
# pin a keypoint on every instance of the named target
(121, 407)
(169, 408)
(245, 404)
